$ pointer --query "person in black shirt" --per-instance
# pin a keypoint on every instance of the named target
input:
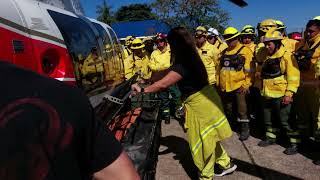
(206, 122)
(48, 131)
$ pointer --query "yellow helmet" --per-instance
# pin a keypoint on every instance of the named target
(273, 35)
(280, 24)
(137, 44)
(265, 25)
(128, 40)
(230, 33)
(248, 29)
(201, 31)
(316, 18)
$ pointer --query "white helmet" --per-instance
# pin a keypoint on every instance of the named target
(213, 32)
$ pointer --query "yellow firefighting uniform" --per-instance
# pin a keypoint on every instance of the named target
(160, 61)
(134, 64)
(261, 51)
(209, 56)
(274, 88)
(258, 50)
(89, 66)
(308, 96)
(126, 52)
(206, 126)
(114, 73)
(251, 46)
(254, 98)
(230, 79)
(288, 82)
(220, 45)
(289, 44)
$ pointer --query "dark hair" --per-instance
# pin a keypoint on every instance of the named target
(277, 44)
(313, 22)
(184, 52)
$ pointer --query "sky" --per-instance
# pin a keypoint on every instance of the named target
(294, 13)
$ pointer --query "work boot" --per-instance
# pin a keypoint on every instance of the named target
(245, 131)
(165, 115)
(317, 155)
(266, 143)
(291, 150)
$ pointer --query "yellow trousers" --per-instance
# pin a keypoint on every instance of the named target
(206, 125)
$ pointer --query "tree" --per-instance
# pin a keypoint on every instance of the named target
(191, 13)
(135, 12)
(104, 13)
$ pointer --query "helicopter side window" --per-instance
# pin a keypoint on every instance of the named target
(82, 46)
(109, 63)
(119, 54)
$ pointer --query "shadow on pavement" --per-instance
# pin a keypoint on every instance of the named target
(180, 148)
(262, 172)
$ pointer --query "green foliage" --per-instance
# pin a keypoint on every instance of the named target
(134, 12)
(192, 13)
(104, 13)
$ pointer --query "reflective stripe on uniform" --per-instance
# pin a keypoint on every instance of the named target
(271, 135)
(295, 141)
(205, 132)
(166, 110)
(295, 133)
(243, 120)
(293, 78)
(271, 130)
